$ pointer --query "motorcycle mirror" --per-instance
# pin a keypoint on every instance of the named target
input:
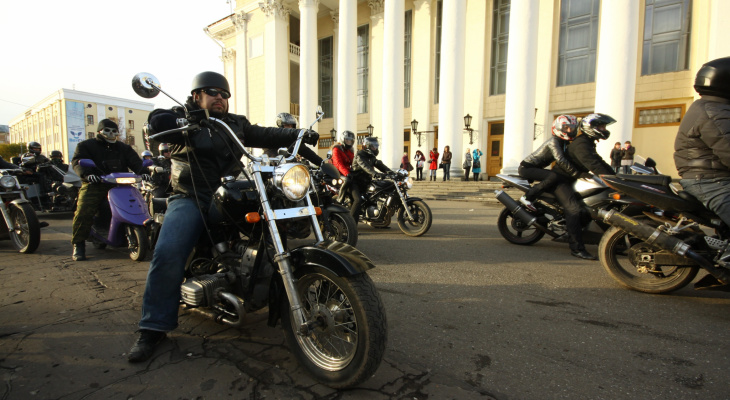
(146, 85)
(319, 111)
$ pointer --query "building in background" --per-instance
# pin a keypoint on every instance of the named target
(66, 117)
(508, 68)
(4, 134)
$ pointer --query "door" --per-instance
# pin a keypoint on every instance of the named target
(495, 143)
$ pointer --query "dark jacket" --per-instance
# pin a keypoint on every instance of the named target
(364, 164)
(628, 154)
(616, 155)
(6, 165)
(108, 157)
(198, 168)
(581, 152)
(446, 157)
(702, 146)
(552, 150)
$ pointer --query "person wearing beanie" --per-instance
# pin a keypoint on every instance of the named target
(109, 155)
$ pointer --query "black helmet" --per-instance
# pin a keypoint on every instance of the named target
(163, 147)
(34, 147)
(714, 78)
(56, 153)
(348, 139)
(285, 119)
(371, 145)
(209, 79)
(594, 125)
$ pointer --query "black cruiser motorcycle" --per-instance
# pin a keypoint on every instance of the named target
(330, 310)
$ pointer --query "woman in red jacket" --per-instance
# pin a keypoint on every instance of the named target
(342, 156)
(433, 163)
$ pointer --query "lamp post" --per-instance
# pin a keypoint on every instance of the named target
(333, 134)
(370, 130)
(467, 122)
(414, 129)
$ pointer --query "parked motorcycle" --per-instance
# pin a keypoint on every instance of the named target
(125, 225)
(522, 227)
(331, 313)
(663, 249)
(59, 191)
(20, 222)
(336, 222)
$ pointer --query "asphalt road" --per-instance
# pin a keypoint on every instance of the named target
(470, 316)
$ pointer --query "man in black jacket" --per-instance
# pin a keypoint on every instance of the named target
(581, 152)
(199, 161)
(702, 146)
(109, 155)
(363, 171)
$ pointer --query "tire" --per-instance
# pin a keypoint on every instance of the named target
(359, 329)
(26, 233)
(422, 215)
(138, 243)
(614, 255)
(343, 226)
(515, 231)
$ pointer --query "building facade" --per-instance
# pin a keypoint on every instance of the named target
(507, 67)
(4, 134)
(66, 117)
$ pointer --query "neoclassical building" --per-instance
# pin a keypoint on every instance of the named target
(508, 68)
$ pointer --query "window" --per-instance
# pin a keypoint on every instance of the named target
(578, 41)
(500, 40)
(407, 60)
(89, 119)
(130, 140)
(325, 74)
(90, 135)
(437, 56)
(131, 124)
(666, 36)
(659, 116)
(363, 54)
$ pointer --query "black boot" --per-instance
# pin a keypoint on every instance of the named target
(145, 345)
(79, 251)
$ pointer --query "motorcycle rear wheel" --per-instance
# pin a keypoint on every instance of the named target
(347, 346)
(423, 218)
(516, 231)
(613, 255)
(26, 233)
(138, 243)
(344, 228)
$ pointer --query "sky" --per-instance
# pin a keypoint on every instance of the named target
(97, 46)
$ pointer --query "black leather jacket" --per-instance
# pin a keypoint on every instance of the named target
(581, 152)
(702, 146)
(364, 164)
(108, 157)
(199, 167)
(552, 150)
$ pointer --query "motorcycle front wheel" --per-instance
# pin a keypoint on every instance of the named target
(344, 228)
(516, 231)
(422, 218)
(26, 231)
(138, 243)
(346, 344)
(614, 253)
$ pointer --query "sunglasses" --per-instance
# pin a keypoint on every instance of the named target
(216, 92)
(110, 130)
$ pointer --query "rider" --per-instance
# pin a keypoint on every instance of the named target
(57, 160)
(161, 179)
(581, 152)
(146, 155)
(109, 155)
(342, 156)
(199, 161)
(363, 171)
(702, 146)
(533, 167)
(286, 120)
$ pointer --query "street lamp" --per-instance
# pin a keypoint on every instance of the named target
(414, 129)
(370, 130)
(467, 122)
(333, 134)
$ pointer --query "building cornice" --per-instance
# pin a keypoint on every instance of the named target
(275, 9)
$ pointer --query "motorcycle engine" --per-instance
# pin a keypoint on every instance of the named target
(200, 291)
(372, 212)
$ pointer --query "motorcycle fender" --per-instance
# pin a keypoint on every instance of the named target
(413, 198)
(335, 208)
(20, 201)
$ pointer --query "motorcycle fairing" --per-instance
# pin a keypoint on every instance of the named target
(127, 207)
(654, 192)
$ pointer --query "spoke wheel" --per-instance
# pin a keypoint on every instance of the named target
(516, 231)
(343, 228)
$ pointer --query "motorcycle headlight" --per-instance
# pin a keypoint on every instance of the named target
(127, 181)
(293, 180)
(7, 182)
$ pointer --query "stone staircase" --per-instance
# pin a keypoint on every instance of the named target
(458, 190)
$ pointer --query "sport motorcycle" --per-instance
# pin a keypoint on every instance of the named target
(332, 315)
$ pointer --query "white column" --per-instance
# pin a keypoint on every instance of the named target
(451, 86)
(519, 113)
(375, 73)
(347, 67)
(308, 62)
(335, 63)
(719, 46)
(276, 43)
(240, 21)
(616, 76)
(392, 104)
(476, 71)
(421, 95)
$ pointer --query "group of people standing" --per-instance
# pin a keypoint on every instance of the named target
(471, 163)
(622, 157)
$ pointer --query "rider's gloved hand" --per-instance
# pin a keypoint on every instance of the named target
(93, 178)
(146, 178)
(310, 137)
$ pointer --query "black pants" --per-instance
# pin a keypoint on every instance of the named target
(356, 199)
(419, 173)
(548, 179)
(466, 174)
(573, 207)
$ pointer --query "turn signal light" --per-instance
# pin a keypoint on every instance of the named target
(616, 196)
(253, 217)
(318, 211)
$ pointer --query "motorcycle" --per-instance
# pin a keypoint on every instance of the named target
(20, 222)
(336, 222)
(388, 196)
(663, 249)
(333, 318)
(522, 227)
(61, 189)
(122, 222)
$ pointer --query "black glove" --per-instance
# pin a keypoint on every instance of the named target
(93, 179)
(310, 137)
(146, 178)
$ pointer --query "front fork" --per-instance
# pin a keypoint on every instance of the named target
(402, 196)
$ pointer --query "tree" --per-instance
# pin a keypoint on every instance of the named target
(8, 151)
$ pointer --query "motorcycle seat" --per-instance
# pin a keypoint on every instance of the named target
(662, 180)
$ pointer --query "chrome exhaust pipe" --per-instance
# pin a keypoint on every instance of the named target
(520, 213)
(237, 304)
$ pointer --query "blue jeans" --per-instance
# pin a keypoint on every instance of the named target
(713, 193)
(447, 171)
(180, 232)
